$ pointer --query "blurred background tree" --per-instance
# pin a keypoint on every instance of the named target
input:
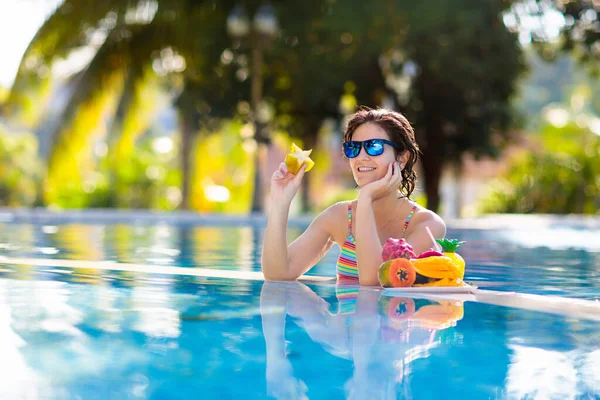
(556, 27)
(559, 171)
(452, 68)
(552, 82)
(19, 168)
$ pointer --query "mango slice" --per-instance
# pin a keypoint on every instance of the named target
(297, 157)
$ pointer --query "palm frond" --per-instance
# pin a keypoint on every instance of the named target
(72, 25)
(134, 114)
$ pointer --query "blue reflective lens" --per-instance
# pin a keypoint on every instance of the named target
(373, 147)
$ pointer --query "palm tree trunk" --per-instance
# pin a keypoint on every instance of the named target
(433, 161)
(259, 127)
(115, 131)
(458, 190)
(432, 168)
(187, 132)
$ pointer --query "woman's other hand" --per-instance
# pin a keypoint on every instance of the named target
(390, 182)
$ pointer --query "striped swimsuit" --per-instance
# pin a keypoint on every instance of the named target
(346, 265)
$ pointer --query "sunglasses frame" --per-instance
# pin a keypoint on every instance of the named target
(365, 143)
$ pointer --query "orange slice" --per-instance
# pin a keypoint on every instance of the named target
(296, 158)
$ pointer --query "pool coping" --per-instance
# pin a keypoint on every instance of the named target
(551, 304)
(145, 217)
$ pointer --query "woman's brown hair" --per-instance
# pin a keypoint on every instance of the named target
(399, 131)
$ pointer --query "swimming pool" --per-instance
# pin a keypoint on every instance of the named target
(72, 326)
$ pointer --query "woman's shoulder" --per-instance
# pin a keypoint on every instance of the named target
(335, 217)
(337, 211)
(423, 215)
(339, 208)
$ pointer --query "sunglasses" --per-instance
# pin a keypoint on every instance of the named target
(373, 147)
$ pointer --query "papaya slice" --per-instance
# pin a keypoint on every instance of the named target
(400, 308)
(297, 157)
(398, 272)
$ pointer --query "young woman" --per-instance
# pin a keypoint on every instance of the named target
(381, 150)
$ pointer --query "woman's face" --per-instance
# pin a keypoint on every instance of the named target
(366, 168)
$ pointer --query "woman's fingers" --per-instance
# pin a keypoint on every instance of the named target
(277, 174)
(300, 174)
(396, 177)
(398, 174)
(390, 173)
(393, 174)
(282, 171)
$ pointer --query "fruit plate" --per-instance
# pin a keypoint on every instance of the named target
(432, 289)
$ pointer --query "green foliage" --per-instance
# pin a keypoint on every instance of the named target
(223, 163)
(450, 66)
(553, 82)
(579, 36)
(147, 179)
(19, 169)
(562, 177)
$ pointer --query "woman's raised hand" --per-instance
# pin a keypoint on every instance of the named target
(285, 185)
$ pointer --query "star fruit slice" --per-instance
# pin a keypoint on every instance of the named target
(297, 157)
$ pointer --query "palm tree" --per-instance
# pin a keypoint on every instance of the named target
(128, 39)
(132, 41)
(462, 61)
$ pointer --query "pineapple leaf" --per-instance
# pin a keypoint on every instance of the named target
(449, 245)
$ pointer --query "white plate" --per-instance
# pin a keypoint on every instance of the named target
(432, 289)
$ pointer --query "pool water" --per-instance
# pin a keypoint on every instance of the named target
(86, 333)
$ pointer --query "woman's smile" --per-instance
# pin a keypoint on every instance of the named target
(366, 169)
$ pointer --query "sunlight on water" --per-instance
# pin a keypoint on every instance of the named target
(155, 336)
(546, 373)
(143, 335)
(552, 260)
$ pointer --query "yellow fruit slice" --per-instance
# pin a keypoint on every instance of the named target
(444, 282)
(459, 261)
(296, 158)
(439, 316)
(436, 267)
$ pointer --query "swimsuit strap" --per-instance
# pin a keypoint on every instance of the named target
(350, 219)
(410, 214)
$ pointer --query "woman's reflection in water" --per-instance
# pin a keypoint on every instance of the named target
(382, 335)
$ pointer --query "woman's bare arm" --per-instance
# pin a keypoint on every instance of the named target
(282, 262)
(368, 246)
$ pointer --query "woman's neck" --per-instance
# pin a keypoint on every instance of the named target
(387, 207)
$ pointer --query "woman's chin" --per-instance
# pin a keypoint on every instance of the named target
(365, 180)
(360, 183)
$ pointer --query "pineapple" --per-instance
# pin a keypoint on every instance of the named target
(449, 247)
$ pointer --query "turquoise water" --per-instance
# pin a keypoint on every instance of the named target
(69, 333)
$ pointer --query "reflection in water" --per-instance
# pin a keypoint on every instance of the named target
(18, 381)
(153, 335)
(156, 315)
(495, 259)
(14, 238)
(57, 338)
(552, 360)
(381, 335)
(155, 341)
(92, 276)
(79, 241)
(201, 246)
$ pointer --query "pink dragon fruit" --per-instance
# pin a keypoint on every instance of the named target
(397, 248)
